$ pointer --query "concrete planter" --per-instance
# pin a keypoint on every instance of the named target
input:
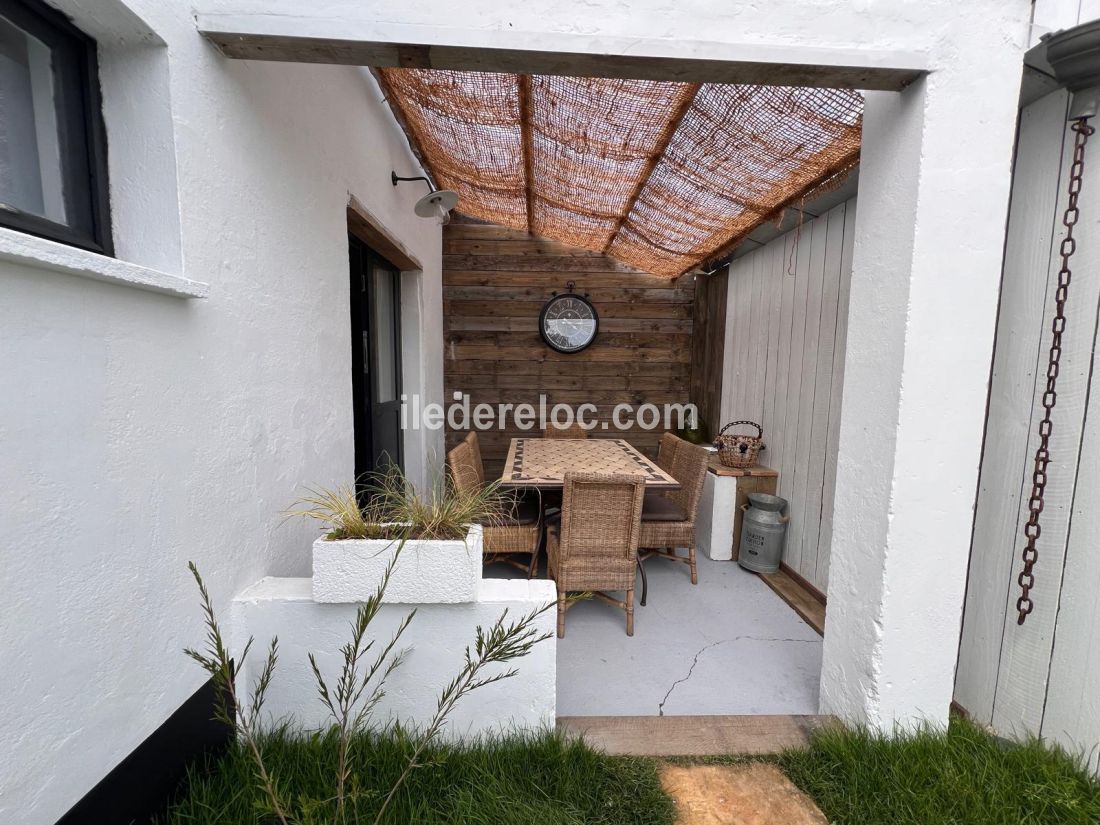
(427, 572)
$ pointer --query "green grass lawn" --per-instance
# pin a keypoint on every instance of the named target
(962, 778)
(538, 780)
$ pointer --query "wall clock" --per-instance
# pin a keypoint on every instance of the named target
(568, 321)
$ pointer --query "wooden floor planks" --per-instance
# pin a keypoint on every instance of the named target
(802, 601)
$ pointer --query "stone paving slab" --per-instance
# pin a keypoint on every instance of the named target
(693, 735)
(750, 794)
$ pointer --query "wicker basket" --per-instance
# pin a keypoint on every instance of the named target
(739, 450)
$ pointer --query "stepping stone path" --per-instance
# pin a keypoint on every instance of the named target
(750, 794)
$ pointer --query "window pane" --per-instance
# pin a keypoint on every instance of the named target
(385, 334)
(30, 146)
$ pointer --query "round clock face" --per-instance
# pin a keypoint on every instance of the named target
(568, 323)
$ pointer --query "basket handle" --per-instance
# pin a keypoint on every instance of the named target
(759, 429)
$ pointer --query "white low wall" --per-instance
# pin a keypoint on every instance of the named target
(436, 641)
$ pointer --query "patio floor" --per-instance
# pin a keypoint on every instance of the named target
(727, 646)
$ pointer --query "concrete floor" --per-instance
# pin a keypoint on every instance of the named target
(728, 645)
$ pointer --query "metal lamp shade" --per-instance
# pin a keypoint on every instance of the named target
(436, 204)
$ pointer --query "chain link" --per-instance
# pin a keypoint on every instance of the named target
(1032, 529)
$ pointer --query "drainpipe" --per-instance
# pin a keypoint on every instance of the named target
(1074, 57)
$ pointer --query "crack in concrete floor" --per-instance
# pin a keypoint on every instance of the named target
(705, 648)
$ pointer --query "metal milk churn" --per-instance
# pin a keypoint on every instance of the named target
(763, 532)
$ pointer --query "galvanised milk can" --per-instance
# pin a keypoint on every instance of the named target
(763, 532)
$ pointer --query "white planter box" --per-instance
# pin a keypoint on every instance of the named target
(427, 572)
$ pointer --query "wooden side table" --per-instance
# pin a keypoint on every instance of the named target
(718, 524)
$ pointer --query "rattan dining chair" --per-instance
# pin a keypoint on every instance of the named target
(517, 534)
(475, 455)
(574, 430)
(594, 549)
(666, 450)
(668, 519)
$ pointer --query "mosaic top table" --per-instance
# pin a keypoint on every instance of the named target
(542, 463)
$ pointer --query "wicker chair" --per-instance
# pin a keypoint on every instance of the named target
(668, 519)
(518, 534)
(475, 455)
(666, 450)
(595, 547)
(574, 430)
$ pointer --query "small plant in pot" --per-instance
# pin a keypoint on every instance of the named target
(436, 536)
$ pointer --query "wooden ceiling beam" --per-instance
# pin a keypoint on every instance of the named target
(528, 150)
(244, 38)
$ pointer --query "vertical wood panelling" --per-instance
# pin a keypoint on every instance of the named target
(823, 380)
(1025, 655)
(835, 394)
(785, 346)
(495, 282)
(1011, 401)
(708, 346)
(789, 460)
(1040, 678)
(802, 556)
(1072, 714)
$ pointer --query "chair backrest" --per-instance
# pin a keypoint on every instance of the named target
(475, 455)
(460, 460)
(574, 430)
(666, 451)
(689, 467)
(601, 517)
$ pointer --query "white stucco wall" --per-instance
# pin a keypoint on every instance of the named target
(139, 430)
(435, 640)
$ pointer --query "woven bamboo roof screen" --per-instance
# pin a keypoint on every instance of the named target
(660, 175)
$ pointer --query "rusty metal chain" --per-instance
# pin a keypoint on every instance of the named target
(1032, 529)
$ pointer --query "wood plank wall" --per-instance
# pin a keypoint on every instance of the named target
(708, 348)
(784, 363)
(495, 282)
(1040, 678)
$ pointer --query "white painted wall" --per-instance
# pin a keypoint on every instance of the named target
(1040, 678)
(786, 322)
(436, 640)
(140, 430)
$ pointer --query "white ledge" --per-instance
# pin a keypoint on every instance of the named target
(40, 253)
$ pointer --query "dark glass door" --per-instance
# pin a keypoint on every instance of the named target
(375, 359)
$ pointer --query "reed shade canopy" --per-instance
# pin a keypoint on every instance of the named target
(662, 176)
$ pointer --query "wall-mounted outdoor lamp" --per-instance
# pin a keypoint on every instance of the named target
(437, 204)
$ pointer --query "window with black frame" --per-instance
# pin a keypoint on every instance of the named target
(53, 152)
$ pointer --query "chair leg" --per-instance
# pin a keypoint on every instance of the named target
(645, 582)
(630, 612)
(561, 615)
(691, 563)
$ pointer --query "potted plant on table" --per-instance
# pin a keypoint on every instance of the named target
(435, 536)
